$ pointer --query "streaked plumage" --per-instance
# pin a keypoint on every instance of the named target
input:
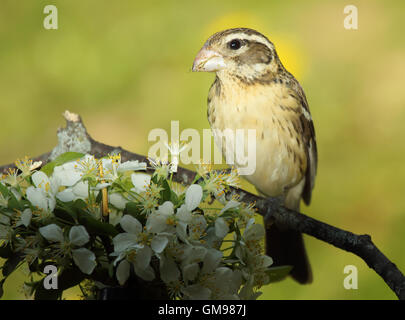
(253, 90)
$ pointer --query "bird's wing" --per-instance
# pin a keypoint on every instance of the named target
(308, 136)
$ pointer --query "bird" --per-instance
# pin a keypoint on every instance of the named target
(253, 90)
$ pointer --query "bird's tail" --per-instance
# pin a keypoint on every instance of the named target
(286, 247)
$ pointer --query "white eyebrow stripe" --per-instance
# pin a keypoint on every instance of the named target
(244, 36)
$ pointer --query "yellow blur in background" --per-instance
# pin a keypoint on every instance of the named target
(125, 68)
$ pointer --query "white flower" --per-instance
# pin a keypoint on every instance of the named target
(211, 261)
(159, 243)
(52, 232)
(78, 191)
(193, 254)
(197, 227)
(197, 292)
(183, 214)
(194, 195)
(175, 149)
(169, 272)
(117, 200)
(226, 283)
(141, 181)
(161, 219)
(39, 198)
(113, 166)
(25, 218)
(129, 239)
(161, 168)
(12, 177)
(26, 166)
(131, 247)
(230, 205)
(221, 227)
(140, 259)
(78, 236)
(253, 231)
(68, 174)
(123, 271)
(190, 271)
(84, 259)
(42, 181)
(131, 166)
(43, 194)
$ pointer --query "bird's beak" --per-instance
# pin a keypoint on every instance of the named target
(209, 61)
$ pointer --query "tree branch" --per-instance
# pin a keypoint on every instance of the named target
(74, 137)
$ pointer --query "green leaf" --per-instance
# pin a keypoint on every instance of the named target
(134, 210)
(278, 273)
(65, 213)
(5, 251)
(63, 158)
(4, 190)
(1, 287)
(95, 226)
(166, 193)
(11, 264)
(80, 204)
(174, 198)
(14, 204)
(131, 208)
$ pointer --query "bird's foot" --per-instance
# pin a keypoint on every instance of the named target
(268, 218)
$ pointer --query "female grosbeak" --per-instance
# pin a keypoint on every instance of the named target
(253, 90)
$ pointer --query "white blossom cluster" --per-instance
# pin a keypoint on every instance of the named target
(157, 229)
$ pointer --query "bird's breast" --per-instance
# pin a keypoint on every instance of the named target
(280, 160)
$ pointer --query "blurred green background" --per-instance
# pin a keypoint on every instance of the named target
(124, 66)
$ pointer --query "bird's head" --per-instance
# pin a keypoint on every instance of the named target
(239, 52)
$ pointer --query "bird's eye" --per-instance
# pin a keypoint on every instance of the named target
(235, 44)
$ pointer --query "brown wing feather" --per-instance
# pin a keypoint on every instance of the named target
(309, 142)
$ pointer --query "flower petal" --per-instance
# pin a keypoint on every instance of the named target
(221, 228)
(211, 260)
(132, 165)
(78, 235)
(230, 205)
(156, 223)
(37, 197)
(123, 272)
(52, 232)
(140, 181)
(194, 195)
(25, 218)
(190, 271)
(143, 257)
(118, 201)
(131, 224)
(146, 274)
(67, 177)
(169, 272)
(40, 179)
(158, 243)
(197, 292)
(183, 214)
(81, 189)
(123, 241)
(254, 232)
(66, 195)
(84, 259)
(166, 208)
